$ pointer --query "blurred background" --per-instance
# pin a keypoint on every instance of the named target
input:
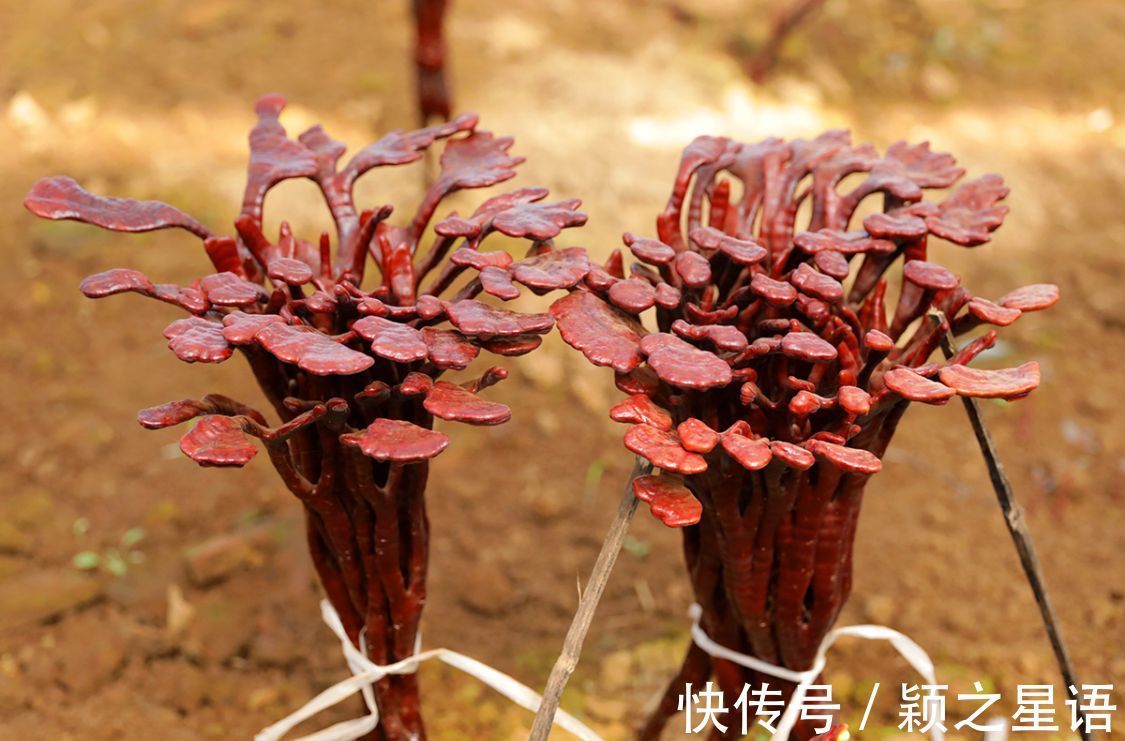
(143, 597)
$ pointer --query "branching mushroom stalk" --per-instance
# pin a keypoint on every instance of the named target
(769, 393)
(353, 373)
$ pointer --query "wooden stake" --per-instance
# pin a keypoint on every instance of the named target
(591, 595)
(1013, 519)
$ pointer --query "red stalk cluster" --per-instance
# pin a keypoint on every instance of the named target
(779, 368)
(352, 373)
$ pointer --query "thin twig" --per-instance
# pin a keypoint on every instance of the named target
(1017, 527)
(580, 625)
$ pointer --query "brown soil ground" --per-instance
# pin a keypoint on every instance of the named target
(200, 619)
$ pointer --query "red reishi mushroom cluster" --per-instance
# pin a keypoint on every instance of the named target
(780, 367)
(352, 372)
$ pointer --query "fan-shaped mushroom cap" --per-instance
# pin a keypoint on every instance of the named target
(196, 339)
(986, 311)
(551, 270)
(288, 270)
(479, 160)
(854, 399)
(930, 275)
(878, 341)
(668, 297)
(641, 409)
(750, 454)
(322, 303)
(895, 225)
(168, 415)
(475, 318)
(970, 214)
(391, 340)
(1031, 298)
(448, 348)
(497, 282)
(402, 147)
(479, 260)
(188, 298)
(597, 330)
(63, 198)
(397, 440)
(846, 243)
(663, 449)
(652, 251)
(926, 168)
(723, 336)
(513, 345)
(697, 436)
(240, 328)
(816, 284)
(740, 251)
(498, 204)
(228, 289)
(693, 268)
(312, 351)
(808, 347)
(682, 365)
(414, 384)
(216, 440)
(539, 221)
(451, 402)
(455, 227)
(852, 460)
(633, 295)
(792, 455)
(116, 280)
(910, 385)
(831, 263)
(776, 292)
(669, 500)
(1008, 383)
(805, 403)
(429, 307)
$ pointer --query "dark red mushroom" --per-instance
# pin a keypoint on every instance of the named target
(670, 501)
(352, 362)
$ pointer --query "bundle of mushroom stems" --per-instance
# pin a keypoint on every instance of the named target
(354, 374)
(780, 366)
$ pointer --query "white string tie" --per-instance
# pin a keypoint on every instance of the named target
(914, 654)
(365, 673)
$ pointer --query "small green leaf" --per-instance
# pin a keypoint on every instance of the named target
(81, 526)
(86, 560)
(114, 563)
(636, 547)
(132, 536)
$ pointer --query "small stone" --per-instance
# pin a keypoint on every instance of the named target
(41, 595)
(215, 559)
